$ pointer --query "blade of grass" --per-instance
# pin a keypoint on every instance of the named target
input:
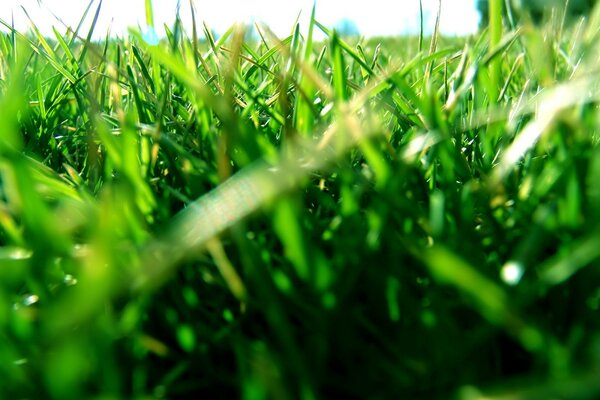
(495, 32)
(149, 13)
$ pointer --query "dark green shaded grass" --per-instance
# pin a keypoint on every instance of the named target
(281, 218)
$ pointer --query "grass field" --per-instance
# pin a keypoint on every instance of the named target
(260, 217)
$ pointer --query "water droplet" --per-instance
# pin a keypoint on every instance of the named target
(70, 280)
(30, 300)
(16, 253)
(512, 272)
(326, 109)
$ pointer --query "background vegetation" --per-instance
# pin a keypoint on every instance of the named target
(536, 10)
(279, 218)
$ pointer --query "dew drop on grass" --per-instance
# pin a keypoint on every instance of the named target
(70, 280)
(30, 300)
(18, 254)
(326, 109)
(512, 272)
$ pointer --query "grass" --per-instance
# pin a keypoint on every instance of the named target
(261, 217)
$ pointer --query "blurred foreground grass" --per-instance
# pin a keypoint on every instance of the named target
(279, 218)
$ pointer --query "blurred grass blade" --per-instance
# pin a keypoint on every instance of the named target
(489, 299)
(227, 270)
(49, 54)
(339, 69)
(495, 32)
(149, 13)
(286, 223)
(448, 268)
(548, 106)
(584, 385)
(570, 260)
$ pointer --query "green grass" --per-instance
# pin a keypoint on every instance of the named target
(261, 217)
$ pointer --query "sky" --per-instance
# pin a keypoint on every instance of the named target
(372, 17)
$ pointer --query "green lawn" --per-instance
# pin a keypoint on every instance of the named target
(260, 217)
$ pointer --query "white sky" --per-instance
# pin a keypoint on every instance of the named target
(373, 17)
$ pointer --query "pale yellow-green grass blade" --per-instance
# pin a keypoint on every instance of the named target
(149, 13)
(548, 107)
